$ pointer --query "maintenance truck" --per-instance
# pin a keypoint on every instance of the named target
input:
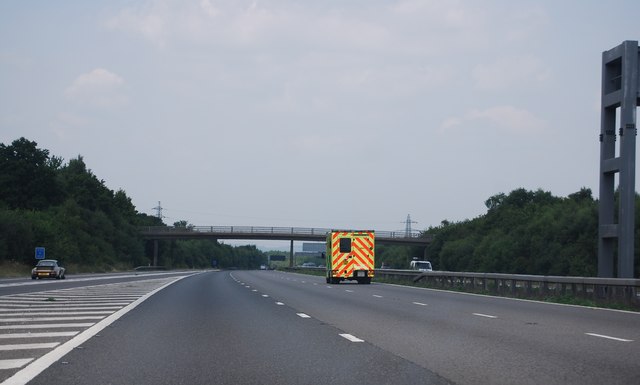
(350, 256)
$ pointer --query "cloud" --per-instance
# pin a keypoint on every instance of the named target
(507, 119)
(99, 88)
(434, 27)
(167, 23)
(509, 72)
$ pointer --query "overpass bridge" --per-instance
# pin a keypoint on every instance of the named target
(291, 234)
(271, 233)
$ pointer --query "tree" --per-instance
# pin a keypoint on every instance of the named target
(524, 232)
(27, 176)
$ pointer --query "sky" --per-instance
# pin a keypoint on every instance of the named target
(331, 114)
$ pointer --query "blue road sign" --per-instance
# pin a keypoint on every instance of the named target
(39, 252)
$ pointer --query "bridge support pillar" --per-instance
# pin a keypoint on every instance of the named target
(155, 252)
(291, 254)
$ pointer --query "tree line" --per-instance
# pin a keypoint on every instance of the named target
(65, 208)
(526, 232)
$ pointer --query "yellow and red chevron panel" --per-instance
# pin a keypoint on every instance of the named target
(361, 256)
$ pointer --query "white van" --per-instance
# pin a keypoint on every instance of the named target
(421, 265)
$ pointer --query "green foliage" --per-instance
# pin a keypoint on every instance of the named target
(525, 232)
(80, 221)
(197, 254)
(27, 176)
(396, 257)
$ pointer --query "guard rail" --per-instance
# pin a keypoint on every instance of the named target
(605, 290)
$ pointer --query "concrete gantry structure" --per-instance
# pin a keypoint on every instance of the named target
(620, 89)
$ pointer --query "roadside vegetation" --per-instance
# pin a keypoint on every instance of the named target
(523, 232)
(64, 207)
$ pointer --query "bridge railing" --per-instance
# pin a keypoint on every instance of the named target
(267, 230)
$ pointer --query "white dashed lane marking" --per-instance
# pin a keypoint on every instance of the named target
(485, 315)
(608, 337)
(351, 338)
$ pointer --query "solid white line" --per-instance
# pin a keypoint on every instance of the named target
(608, 337)
(485, 315)
(351, 338)
(302, 315)
(29, 346)
(38, 335)
(14, 364)
(419, 303)
(28, 373)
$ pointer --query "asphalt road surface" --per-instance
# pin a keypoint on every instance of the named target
(269, 327)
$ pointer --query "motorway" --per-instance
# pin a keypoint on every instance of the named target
(266, 327)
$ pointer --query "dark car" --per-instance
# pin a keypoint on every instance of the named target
(48, 268)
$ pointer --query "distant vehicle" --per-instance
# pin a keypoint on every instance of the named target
(421, 265)
(48, 268)
(350, 256)
(308, 264)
